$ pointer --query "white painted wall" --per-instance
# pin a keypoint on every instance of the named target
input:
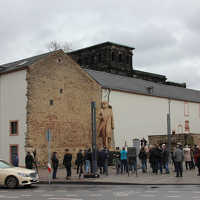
(13, 102)
(137, 116)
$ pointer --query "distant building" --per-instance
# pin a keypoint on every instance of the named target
(53, 91)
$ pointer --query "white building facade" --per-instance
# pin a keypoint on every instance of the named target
(13, 103)
(137, 116)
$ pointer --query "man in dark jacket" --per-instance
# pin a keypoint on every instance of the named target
(101, 160)
(55, 163)
(79, 162)
(29, 161)
(67, 162)
(154, 157)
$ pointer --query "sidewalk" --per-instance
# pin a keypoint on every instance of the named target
(189, 178)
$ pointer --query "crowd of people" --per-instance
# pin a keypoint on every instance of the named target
(153, 158)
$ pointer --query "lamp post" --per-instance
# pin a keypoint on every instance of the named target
(169, 127)
(94, 148)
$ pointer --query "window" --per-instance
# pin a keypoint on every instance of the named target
(127, 59)
(99, 57)
(13, 128)
(187, 126)
(186, 109)
(113, 56)
(14, 159)
(120, 57)
(51, 102)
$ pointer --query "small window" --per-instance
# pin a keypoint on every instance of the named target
(150, 89)
(86, 60)
(99, 57)
(61, 90)
(51, 102)
(186, 109)
(120, 57)
(113, 56)
(127, 59)
(13, 127)
(59, 60)
(187, 126)
(14, 155)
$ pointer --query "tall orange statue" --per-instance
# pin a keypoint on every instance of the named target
(106, 125)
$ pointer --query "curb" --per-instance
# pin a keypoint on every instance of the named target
(110, 183)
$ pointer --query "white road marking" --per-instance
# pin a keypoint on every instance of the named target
(48, 195)
(39, 191)
(2, 196)
(173, 191)
(56, 198)
(120, 194)
(196, 197)
(26, 195)
(153, 191)
(147, 195)
(177, 196)
(95, 195)
(12, 197)
(71, 195)
(196, 192)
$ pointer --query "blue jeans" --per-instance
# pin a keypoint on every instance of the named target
(87, 166)
(144, 165)
(166, 167)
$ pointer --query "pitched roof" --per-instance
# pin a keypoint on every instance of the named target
(21, 63)
(139, 86)
(101, 45)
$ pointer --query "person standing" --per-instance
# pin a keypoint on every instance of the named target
(143, 158)
(178, 158)
(79, 162)
(197, 158)
(16, 161)
(55, 163)
(187, 157)
(101, 160)
(165, 154)
(29, 160)
(88, 161)
(117, 160)
(67, 162)
(123, 157)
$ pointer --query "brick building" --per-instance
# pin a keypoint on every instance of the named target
(55, 91)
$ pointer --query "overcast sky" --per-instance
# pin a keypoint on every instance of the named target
(165, 33)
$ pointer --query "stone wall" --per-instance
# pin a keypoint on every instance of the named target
(59, 98)
(184, 138)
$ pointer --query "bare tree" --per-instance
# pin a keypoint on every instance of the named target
(55, 45)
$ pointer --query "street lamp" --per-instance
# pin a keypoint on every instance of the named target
(169, 128)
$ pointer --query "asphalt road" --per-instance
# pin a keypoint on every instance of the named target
(100, 192)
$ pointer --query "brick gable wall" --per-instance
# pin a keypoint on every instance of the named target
(59, 79)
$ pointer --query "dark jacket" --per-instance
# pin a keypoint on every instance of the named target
(67, 161)
(79, 158)
(165, 155)
(142, 155)
(54, 161)
(29, 161)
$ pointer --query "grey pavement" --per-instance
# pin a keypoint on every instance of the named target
(102, 192)
(189, 177)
